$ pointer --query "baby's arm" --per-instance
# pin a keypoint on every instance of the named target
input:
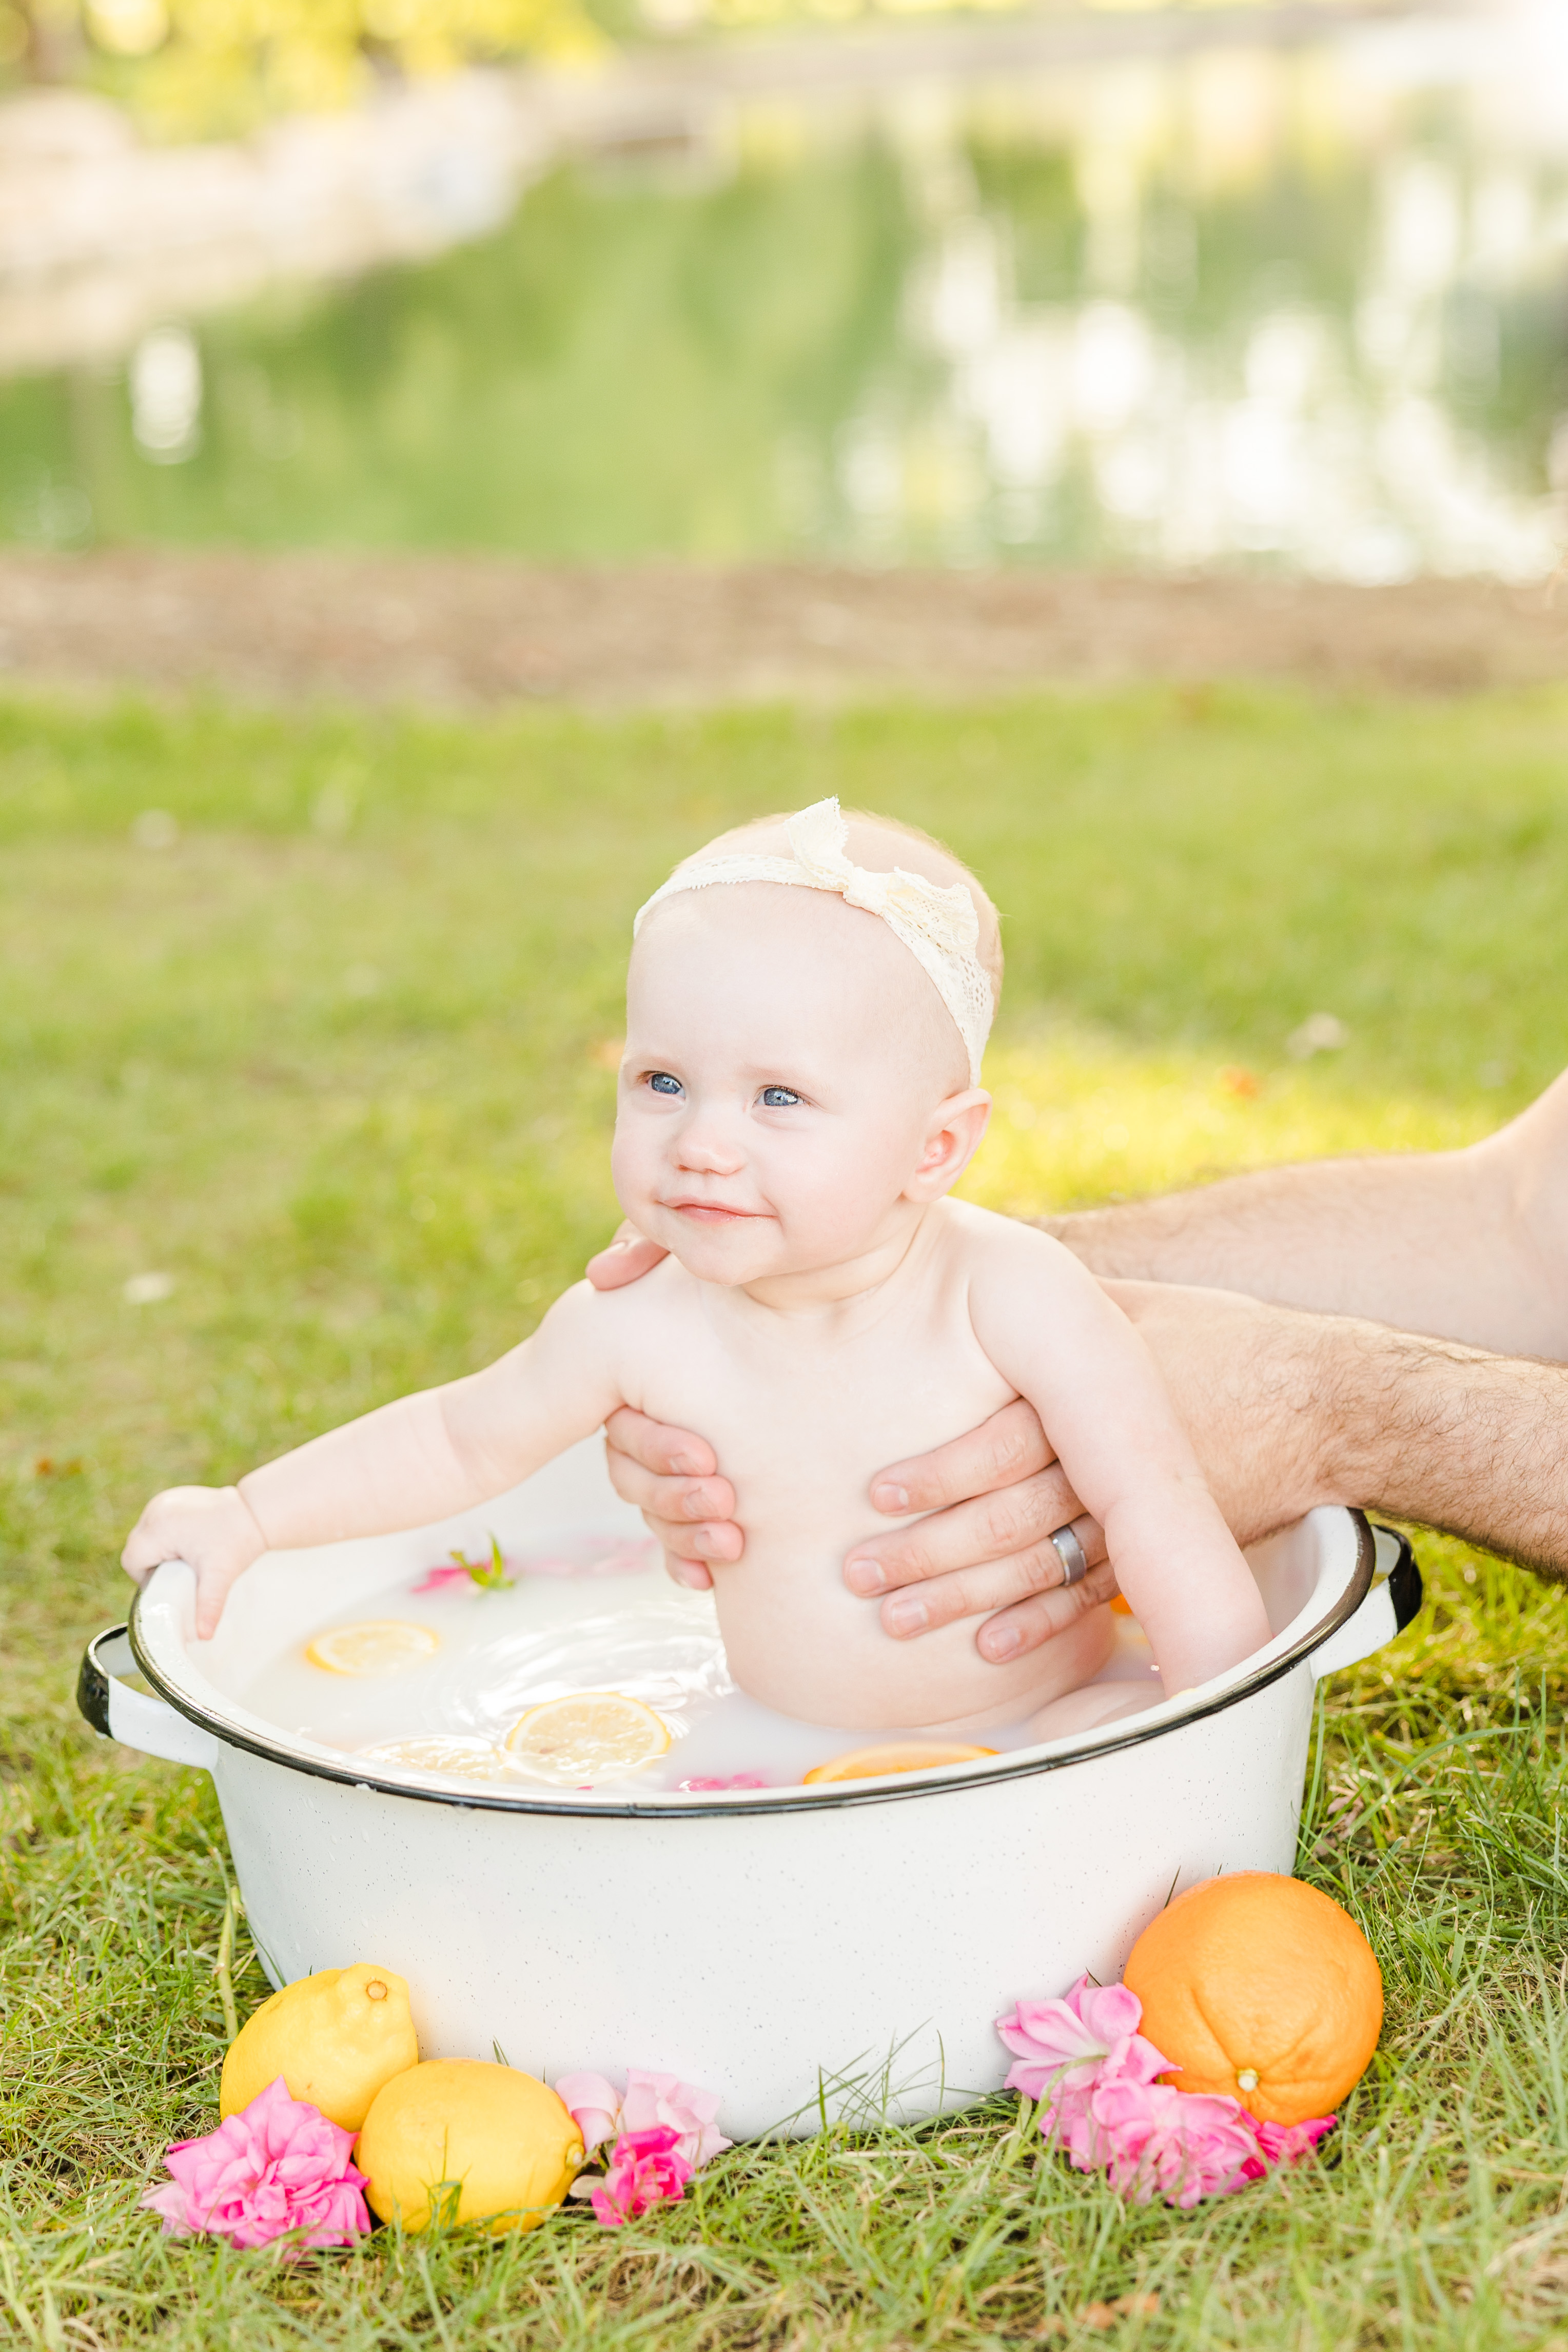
(1048, 1328)
(422, 1458)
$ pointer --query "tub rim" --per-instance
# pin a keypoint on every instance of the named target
(822, 1797)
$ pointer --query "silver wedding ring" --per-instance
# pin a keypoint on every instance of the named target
(1070, 1553)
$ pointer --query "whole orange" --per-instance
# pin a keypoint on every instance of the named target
(1262, 1986)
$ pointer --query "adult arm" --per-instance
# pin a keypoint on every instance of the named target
(1469, 1246)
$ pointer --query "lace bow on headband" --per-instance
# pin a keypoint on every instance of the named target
(940, 927)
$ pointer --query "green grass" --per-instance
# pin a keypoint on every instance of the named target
(333, 1062)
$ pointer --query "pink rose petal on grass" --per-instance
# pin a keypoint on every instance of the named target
(651, 2102)
(1090, 2035)
(654, 2100)
(1083, 2058)
(277, 2167)
(646, 2168)
(663, 2129)
(1289, 2143)
(594, 2106)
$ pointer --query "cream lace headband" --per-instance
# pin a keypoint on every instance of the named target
(940, 927)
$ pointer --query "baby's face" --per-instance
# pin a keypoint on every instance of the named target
(784, 1055)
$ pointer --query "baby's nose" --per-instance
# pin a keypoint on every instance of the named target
(705, 1151)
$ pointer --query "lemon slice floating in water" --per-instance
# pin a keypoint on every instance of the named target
(585, 1737)
(453, 1753)
(376, 1645)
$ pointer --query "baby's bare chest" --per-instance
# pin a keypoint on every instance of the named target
(801, 1422)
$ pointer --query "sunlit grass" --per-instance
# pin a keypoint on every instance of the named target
(334, 1061)
(1080, 1118)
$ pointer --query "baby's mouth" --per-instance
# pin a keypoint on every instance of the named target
(711, 1213)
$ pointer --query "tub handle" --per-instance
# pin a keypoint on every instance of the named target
(1394, 1600)
(137, 1719)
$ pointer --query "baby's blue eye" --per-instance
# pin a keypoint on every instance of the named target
(778, 1099)
(663, 1084)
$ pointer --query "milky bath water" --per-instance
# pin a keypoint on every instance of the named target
(592, 1614)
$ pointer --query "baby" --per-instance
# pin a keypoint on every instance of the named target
(798, 1097)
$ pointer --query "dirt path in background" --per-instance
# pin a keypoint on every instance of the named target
(465, 630)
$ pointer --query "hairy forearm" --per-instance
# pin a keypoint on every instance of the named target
(1473, 1444)
(1466, 1246)
(1288, 1410)
(1430, 1243)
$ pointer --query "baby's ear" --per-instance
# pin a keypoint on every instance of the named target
(952, 1140)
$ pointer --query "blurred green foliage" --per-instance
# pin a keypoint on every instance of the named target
(203, 68)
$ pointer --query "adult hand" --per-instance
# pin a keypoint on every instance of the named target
(995, 1498)
(626, 1258)
(1251, 1385)
(670, 1475)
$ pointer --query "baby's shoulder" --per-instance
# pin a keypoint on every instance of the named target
(623, 1316)
(981, 1242)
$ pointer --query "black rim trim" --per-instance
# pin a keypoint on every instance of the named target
(93, 1681)
(797, 1801)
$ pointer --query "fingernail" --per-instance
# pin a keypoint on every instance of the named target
(683, 1466)
(890, 1498)
(907, 1614)
(1002, 1643)
(865, 1575)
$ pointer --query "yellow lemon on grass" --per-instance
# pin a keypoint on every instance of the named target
(376, 1645)
(459, 2139)
(585, 1737)
(898, 1756)
(335, 2038)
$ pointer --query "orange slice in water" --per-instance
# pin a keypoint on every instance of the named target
(585, 1737)
(376, 1645)
(898, 1756)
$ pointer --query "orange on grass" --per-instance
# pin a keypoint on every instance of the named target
(898, 1756)
(1260, 1987)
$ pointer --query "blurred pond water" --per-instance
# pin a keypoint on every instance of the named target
(1301, 308)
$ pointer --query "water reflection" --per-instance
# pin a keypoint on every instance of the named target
(1303, 310)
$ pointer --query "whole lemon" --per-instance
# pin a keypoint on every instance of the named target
(504, 2142)
(335, 2038)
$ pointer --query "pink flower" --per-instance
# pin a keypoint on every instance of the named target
(652, 2101)
(1089, 2036)
(436, 1580)
(594, 2106)
(1287, 2143)
(664, 2100)
(645, 2168)
(1095, 2076)
(735, 1780)
(278, 2166)
(1180, 2144)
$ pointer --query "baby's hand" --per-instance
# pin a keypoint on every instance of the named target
(209, 1526)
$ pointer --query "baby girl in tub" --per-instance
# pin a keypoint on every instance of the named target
(799, 1094)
